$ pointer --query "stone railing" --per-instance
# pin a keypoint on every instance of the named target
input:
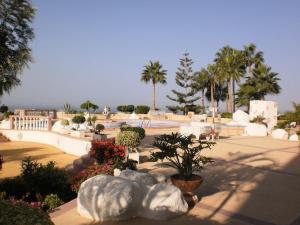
(30, 123)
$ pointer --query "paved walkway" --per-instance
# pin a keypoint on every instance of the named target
(254, 181)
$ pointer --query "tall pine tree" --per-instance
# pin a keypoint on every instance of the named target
(184, 79)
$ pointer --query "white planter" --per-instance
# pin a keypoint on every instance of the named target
(99, 137)
(77, 133)
(134, 156)
(117, 172)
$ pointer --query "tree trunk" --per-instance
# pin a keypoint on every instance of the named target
(203, 103)
(233, 95)
(227, 107)
(229, 95)
(154, 98)
(212, 100)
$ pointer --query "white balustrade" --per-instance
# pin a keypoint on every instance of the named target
(30, 123)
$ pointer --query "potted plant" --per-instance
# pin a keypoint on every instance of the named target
(64, 123)
(97, 134)
(78, 120)
(183, 154)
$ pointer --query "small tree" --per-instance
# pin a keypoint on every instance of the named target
(89, 106)
(78, 120)
(99, 128)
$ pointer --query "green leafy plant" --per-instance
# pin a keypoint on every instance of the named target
(78, 120)
(183, 153)
(142, 109)
(139, 130)
(99, 128)
(130, 139)
(7, 114)
(51, 202)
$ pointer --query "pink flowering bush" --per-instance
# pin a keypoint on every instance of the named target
(89, 172)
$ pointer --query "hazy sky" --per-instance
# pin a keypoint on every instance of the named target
(97, 49)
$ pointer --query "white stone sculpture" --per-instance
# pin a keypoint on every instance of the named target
(280, 134)
(104, 198)
(162, 202)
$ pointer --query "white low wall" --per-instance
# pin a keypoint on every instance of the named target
(70, 145)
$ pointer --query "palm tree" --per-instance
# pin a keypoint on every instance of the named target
(213, 80)
(200, 84)
(252, 58)
(262, 82)
(230, 69)
(265, 81)
(154, 73)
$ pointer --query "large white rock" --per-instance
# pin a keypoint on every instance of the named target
(294, 137)
(241, 117)
(162, 202)
(254, 129)
(104, 198)
(142, 178)
(280, 134)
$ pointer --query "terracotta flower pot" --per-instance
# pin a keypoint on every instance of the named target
(187, 185)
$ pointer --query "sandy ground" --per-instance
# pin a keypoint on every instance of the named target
(14, 152)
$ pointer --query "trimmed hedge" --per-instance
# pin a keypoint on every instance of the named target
(126, 108)
(142, 109)
(21, 214)
(226, 115)
(129, 139)
(139, 130)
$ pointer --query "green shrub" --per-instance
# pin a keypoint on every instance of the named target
(7, 114)
(282, 124)
(126, 108)
(226, 115)
(139, 130)
(65, 122)
(142, 109)
(99, 128)
(51, 202)
(129, 139)
(37, 179)
(21, 214)
(3, 108)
